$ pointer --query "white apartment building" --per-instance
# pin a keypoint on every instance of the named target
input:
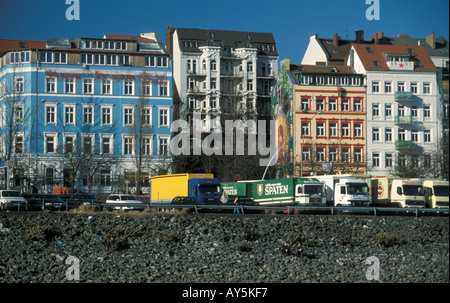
(219, 73)
(402, 104)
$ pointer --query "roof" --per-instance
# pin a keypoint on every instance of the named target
(314, 69)
(339, 51)
(6, 44)
(441, 45)
(378, 52)
(223, 38)
(127, 37)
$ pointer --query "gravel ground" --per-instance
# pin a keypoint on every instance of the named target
(204, 248)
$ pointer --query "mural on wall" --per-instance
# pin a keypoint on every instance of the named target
(282, 102)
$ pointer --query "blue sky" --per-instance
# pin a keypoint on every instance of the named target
(291, 21)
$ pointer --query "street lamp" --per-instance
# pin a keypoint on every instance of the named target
(29, 142)
(303, 139)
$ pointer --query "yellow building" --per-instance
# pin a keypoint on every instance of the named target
(329, 121)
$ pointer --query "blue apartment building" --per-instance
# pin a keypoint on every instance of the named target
(84, 113)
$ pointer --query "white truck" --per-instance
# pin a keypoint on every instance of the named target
(345, 191)
(11, 199)
(398, 192)
(436, 193)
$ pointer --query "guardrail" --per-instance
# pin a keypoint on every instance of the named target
(332, 210)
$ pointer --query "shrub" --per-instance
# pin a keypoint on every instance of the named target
(242, 246)
(169, 237)
(248, 234)
(38, 233)
(387, 239)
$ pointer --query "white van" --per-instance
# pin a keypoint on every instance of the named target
(12, 200)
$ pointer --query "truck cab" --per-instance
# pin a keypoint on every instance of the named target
(351, 192)
(407, 193)
(436, 193)
(309, 192)
(205, 191)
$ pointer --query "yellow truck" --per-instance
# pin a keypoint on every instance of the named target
(399, 192)
(204, 188)
(436, 193)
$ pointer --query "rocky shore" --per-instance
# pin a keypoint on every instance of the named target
(203, 248)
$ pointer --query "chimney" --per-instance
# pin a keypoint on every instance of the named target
(169, 39)
(376, 37)
(359, 36)
(336, 39)
(431, 40)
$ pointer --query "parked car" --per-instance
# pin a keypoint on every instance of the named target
(76, 200)
(124, 202)
(12, 199)
(183, 200)
(44, 201)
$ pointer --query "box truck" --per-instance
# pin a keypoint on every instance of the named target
(398, 192)
(288, 191)
(345, 191)
(436, 193)
(203, 188)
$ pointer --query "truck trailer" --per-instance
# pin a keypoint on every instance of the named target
(204, 188)
(288, 192)
(436, 193)
(398, 192)
(345, 191)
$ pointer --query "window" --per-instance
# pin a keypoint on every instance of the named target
(88, 143)
(320, 129)
(426, 111)
(88, 86)
(388, 110)
(105, 177)
(147, 116)
(163, 146)
(60, 58)
(50, 142)
(19, 57)
(69, 143)
(332, 105)
(128, 143)
(357, 155)
(333, 130)
(375, 159)
(128, 88)
(106, 87)
(414, 87)
(388, 87)
(415, 136)
(375, 134)
(106, 115)
(357, 130)
(345, 105)
(50, 114)
(124, 60)
(357, 105)
(388, 134)
(18, 146)
(319, 104)
(213, 65)
(388, 160)
(375, 86)
(50, 173)
(426, 88)
(345, 153)
(305, 154)
(50, 84)
(401, 110)
(18, 85)
(401, 135)
(249, 84)
(106, 142)
(88, 114)
(213, 83)
(305, 129)
(147, 142)
(18, 114)
(414, 111)
(427, 136)
(147, 87)
(345, 130)
(320, 154)
(128, 116)
(375, 110)
(249, 66)
(69, 85)
(164, 88)
(305, 104)
(164, 117)
(401, 86)
(333, 155)
(69, 114)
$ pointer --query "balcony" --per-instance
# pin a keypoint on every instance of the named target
(403, 144)
(400, 65)
(403, 119)
(403, 96)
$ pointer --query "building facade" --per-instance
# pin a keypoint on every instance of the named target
(403, 124)
(222, 74)
(86, 113)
